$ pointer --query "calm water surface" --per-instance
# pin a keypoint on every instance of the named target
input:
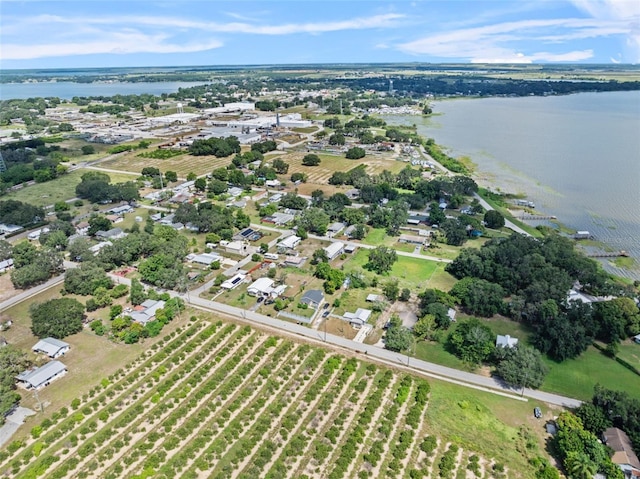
(576, 156)
(67, 90)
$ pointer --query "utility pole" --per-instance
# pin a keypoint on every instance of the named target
(325, 329)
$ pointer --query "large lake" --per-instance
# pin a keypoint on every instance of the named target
(576, 156)
(67, 90)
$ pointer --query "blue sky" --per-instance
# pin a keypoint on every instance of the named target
(116, 33)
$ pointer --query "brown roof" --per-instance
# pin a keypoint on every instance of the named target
(623, 453)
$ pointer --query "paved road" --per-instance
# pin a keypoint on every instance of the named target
(507, 223)
(26, 294)
(395, 359)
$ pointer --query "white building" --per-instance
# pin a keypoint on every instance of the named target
(54, 348)
(334, 250)
(234, 282)
(204, 258)
(42, 376)
(265, 287)
(359, 318)
(147, 311)
(506, 341)
(290, 242)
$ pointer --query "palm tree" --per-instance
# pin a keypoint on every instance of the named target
(580, 466)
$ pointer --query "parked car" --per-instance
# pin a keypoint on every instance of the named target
(260, 299)
(325, 305)
(325, 314)
(537, 413)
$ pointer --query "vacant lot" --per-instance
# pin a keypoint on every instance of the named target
(183, 165)
(219, 400)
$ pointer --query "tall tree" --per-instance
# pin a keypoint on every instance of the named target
(56, 318)
(523, 367)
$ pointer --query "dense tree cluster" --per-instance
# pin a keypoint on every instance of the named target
(264, 146)
(218, 147)
(212, 218)
(381, 259)
(96, 187)
(580, 451)
(34, 266)
(536, 275)
(13, 361)
(56, 318)
(13, 212)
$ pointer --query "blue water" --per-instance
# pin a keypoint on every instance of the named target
(575, 156)
(67, 90)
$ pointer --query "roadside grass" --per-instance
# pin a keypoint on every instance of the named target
(486, 423)
(337, 327)
(376, 236)
(435, 352)
(577, 377)
(60, 189)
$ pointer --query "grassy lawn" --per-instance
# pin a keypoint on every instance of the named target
(577, 377)
(183, 164)
(464, 416)
(440, 279)
(375, 237)
(60, 189)
(413, 273)
(630, 352)
(435, 352)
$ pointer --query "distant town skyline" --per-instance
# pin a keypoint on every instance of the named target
(73, 34)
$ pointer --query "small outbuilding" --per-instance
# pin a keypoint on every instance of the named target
(52, 347)
(506, 341)
(40, 377)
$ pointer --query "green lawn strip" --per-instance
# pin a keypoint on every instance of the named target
(630, 352)
(412, 272)
(212, 371)
(234, 381)
(435, 352)
(577, 377)
(74, 421)
(125, 417)
(60, 189)
(440, 279)
(481, 422)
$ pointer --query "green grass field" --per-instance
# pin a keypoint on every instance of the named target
(577, 377)
(60, 189)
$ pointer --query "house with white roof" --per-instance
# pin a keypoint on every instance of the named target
(334, 250)
(204, 258)
(52, 347)
(234, 282)
(506, 341)
(335, 228)
(40, 377)
(290, 242)
(359, 318)
(265, 287)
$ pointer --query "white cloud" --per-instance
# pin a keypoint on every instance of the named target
(118, 43)
(504, 42)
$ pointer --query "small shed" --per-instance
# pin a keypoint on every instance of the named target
(52, 347)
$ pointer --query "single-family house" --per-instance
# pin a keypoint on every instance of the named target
(290, 242)
(121, 210)
(5, 265)
(235, 247)
(506, 341)
(234, 281)
(353, 194)
(234, 191)
(281, 219)
(312, 298)
(52, 347)
(335, 228)
(334, 250)
(146, 312)
(204, 258)
(95, 249)
(113, 233)
(294, 261)
(623, 455)
(82, 228)
(40, 377)
(348, 232)
(412, 239)
(359, 318)
(272, 183)
(265, 287)
(8, 229)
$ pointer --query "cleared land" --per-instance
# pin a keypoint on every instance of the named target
(219, 400)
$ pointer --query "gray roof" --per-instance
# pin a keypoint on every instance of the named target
(50, 346)
(313, 295)
(37, 377)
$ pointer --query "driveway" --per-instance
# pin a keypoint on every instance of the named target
(13, 422)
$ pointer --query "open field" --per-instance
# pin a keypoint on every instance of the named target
(182, 165)
(60, 189)
(219, 400)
